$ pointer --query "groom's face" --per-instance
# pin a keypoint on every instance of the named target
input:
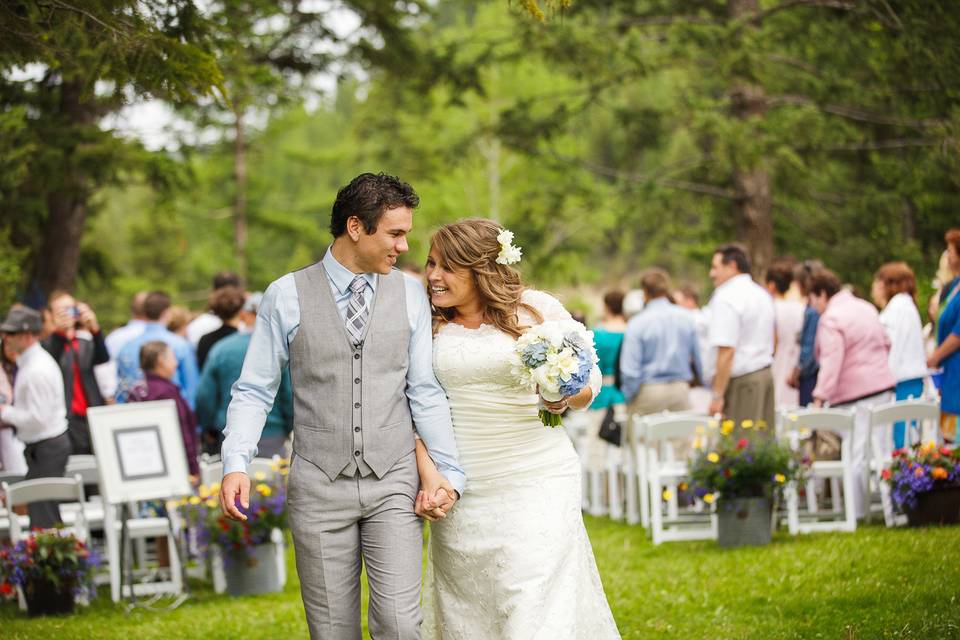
(377, 252)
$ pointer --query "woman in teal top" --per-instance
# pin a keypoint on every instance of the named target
(607, 337)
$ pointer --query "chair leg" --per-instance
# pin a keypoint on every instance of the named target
(835, 495)
(613, 485)
(630, 478)
(812, 495)
(793, 513)
(642, 480)
(176, 569)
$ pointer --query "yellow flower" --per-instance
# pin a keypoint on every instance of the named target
(713, 457)
(780, 478)
(727, 427)
(701, 430)
(275, 466)
(215, 488)
(204, 491)
(761, 424)
(709, 498)
(194, 500)
(264, 490)
(667, 494)
(712, 424)
(747, 424)
(793, 417)
(259, 476)
(698, 443)
(212, 503)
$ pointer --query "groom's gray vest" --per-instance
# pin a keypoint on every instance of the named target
(350, 407)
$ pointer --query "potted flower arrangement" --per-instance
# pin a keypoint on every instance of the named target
(50, 567)
(250, 554)
(925, 484)
(742, 476)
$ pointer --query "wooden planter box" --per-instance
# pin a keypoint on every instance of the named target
(937, 507)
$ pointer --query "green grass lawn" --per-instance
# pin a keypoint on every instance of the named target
(876, 583)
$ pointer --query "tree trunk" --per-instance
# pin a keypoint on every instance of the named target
(240, 195)
(59, 260)
(753, 208)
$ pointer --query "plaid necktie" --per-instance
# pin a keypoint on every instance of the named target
(357, 311)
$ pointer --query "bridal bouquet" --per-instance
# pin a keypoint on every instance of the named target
(556, 356)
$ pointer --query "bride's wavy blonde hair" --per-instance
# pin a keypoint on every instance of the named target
(472, 244)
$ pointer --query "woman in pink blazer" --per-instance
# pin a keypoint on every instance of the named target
(853, 350)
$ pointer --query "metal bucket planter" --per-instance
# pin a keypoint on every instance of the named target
(937, 507)
(259, 571)
(45, 598)
(743, 522)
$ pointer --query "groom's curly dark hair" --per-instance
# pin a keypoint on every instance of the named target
(367, 197)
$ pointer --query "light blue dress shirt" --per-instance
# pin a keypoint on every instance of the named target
(186, 377)
(122, 335)
(278, 320)
(660, 345)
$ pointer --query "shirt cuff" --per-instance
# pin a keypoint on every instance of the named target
(456, 478)
(234, 463)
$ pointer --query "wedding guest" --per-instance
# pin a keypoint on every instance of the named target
(12, 461)
(221, 370)
(607, 339)
(895, 292)
(701, 393)
(226, 303)
(37, 411)
(134, 327)
(207, 322)
(789, 323)
(742, 322)
(947, 353)
(853, 350)
(77, 344)
(159, 365)
(804, 375)
(177, 319)
(187, 375)
(660, 354)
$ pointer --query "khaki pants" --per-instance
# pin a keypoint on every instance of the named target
(656, 397)
(751, 397)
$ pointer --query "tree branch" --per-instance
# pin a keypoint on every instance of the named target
(854, 113)
(757, 18)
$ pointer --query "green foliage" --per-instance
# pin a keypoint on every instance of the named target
(738, 467)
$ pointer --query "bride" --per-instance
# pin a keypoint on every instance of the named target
(512, 559)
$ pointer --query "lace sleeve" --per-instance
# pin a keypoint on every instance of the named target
(553, 310)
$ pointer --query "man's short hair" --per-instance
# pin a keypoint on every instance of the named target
(780, 273)
(226, 302)
(736, 254)
(225, 279)
(367, 197)
(136, 303)
(802, 273)
(825, 281)
(690, 293)
(613, 300)
(150, 353)
(155, 304)
(655, 283)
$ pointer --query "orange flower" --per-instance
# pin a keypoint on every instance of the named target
(939, 473)
(918, 471)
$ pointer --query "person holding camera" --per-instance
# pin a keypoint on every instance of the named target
(77, 345)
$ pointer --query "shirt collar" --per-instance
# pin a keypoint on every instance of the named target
(28, 354)
(341, 276)
(656, 303)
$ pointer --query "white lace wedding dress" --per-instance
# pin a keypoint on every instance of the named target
(511, 561)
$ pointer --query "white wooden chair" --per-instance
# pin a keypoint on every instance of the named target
(920, 416)
(797, 425)
(211, 469)
(84, 466)
(43, 490)
(665, 472)
(5, 515)
(635, 453)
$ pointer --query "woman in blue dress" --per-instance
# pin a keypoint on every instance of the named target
(947, 353)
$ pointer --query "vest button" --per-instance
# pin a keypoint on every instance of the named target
(356, 380)
(356, 356)
(356, 405)
(356, 453)
(356, 429)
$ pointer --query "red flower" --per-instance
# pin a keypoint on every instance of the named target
(6, 588)
(901, 452)
(945, 451)
(885, 474)
(727, 473)
(742, 443)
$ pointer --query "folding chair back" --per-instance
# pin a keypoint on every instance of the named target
(44, 490)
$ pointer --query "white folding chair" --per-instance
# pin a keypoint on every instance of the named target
(211, 469)
(84, 466)
(635, 451)
(5, 515)
(799, 424)
(919, 415)
(43, 490)
(665, 472)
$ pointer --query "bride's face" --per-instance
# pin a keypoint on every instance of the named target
(448, 287)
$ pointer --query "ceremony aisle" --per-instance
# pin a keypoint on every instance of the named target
(875, 583)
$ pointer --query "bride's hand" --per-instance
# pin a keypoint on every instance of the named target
(436, 496)
(557, 407)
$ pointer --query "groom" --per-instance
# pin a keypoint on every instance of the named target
(357, 336)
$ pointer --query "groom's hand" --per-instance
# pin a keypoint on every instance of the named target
(234, 484)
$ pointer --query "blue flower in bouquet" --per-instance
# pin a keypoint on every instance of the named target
(580, 378)
(534, 355)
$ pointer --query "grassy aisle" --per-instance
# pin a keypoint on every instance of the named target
(876, 583)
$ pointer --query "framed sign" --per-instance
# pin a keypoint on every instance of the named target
(140, 452)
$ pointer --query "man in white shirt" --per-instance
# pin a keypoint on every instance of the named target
(742, 323)
(38, 412)
(208, 321)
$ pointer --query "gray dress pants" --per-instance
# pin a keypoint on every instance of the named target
(338, 524)
(46, 459)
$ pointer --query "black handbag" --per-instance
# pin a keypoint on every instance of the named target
(610, 429)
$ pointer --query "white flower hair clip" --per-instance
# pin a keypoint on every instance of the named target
(509, 253)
